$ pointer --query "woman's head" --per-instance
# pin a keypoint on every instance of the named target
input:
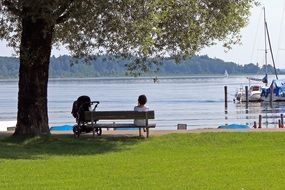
(142, 99)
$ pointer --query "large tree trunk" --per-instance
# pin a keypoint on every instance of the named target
(35, 49)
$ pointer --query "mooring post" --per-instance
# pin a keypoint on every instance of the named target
(226, 96)
(259, 121)
(246, 96)
(271, 95)
(254, 125)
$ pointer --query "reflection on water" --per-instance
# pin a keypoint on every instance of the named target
(270, 112)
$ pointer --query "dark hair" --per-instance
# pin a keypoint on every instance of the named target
(142, 99)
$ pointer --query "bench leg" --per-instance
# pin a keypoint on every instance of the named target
(147, 132)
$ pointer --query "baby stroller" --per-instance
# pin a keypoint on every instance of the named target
(82, 104)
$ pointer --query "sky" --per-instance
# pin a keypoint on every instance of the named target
(251, 49)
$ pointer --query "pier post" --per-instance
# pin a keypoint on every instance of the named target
(259, 121)
(226, 96)
(246, 96)
(271, 95)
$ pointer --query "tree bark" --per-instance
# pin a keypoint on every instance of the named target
(35, 50)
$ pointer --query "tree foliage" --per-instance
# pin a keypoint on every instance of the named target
(141, 28)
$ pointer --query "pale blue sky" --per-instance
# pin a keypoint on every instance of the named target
(252, 48)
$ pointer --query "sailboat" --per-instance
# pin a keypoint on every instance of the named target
(257, 92)
(226, 75)
(276, 90)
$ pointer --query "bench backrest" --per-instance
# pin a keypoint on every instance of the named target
(117, 115)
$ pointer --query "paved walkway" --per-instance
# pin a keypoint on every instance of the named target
(160, 132)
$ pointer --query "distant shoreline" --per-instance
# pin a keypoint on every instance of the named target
(108, 66)
(145, 77)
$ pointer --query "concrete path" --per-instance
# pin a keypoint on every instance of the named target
(159, 132)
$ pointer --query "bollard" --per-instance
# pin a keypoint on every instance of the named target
(259, 121)
(226, 96)
(246, 96)
(254, 125)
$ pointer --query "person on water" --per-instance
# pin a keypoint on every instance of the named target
(155, 80)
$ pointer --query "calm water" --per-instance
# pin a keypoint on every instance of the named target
(195, 101)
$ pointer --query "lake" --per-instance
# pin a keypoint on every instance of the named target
(196, 101)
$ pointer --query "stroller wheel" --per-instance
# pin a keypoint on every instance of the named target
(76, 131)
(77, 134)
(99, 131)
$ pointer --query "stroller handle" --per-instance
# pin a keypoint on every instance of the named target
(96, 104)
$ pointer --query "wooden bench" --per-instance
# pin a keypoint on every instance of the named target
(96, 116)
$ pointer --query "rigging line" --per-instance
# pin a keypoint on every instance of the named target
(256, 33)
(270, 47)
(280, 33)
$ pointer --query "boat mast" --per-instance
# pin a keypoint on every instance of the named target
(266, 33)
(265, 41)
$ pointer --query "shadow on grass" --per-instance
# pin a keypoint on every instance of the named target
(62, 145)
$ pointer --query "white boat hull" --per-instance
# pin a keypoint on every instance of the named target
(251, 98)
(274, 99)
(254, 94)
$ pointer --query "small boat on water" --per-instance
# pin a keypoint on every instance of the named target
(254, 91)
(254, 94)
(226, 74)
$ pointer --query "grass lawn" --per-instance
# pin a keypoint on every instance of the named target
(241, 161)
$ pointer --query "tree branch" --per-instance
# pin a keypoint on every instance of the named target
(12, 8)
(63, 12)
(63, 17)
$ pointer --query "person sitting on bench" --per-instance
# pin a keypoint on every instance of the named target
(141, 108)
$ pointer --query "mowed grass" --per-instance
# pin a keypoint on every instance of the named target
(242, 161)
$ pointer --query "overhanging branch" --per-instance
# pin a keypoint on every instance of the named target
(12, 8)
(63, 12)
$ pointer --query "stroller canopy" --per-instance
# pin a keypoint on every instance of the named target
(80, 105)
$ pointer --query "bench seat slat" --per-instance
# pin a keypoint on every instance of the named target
(121, 125)
(113, 115)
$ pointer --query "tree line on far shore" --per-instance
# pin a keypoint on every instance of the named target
(104, 66)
